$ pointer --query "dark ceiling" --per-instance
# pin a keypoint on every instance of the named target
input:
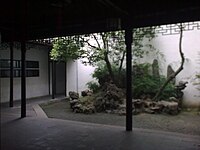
(34, 19)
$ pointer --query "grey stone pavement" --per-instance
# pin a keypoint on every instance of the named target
(37, 132)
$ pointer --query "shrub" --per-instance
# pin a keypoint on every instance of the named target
(94, 86)
(168, 92)
(144, 83)
(102, 75)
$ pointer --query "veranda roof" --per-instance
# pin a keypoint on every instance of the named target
(36, 19)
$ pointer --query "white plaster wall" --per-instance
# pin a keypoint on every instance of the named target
(35, 86)
(72, 78)
(169, 46)
(84, 75)
(78, 75)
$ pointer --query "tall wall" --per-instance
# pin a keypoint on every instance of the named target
(84, 75)
(78, 75)
(169, 46)
(35, 86)
(72, 76)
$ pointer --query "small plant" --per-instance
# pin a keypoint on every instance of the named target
(94, 86)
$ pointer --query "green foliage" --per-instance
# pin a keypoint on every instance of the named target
(149, 85)
(169, 90)
(145, 84)
(139, 36)
(95, 47)
(98, 46)
(141, 69)
(94, 86)
(100, 71)
(65, 49)
(102, 75)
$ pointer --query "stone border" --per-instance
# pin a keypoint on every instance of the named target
(39, 111)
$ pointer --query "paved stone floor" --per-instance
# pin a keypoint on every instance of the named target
(37, 132)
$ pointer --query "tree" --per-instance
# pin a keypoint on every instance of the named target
(107, 48)
(172, 76)
(66, 48)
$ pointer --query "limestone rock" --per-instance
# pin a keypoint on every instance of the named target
(122, 110)
(152, 107)
(73, 95)
(110, 99)
(86, 93)
(169, 72)
(155, 68)
(73, 103)
(173, 99)
(99, 104)
(156, 109)
(149, 111)
(80, 108)
(181, 85)
(169, 107)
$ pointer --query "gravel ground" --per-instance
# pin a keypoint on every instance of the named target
(186, 122)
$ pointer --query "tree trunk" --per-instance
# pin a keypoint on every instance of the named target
(106, 59)
(109, 67)
(172, 76)
(121, 62)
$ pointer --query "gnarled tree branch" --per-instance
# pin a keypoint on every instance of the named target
(172, 76)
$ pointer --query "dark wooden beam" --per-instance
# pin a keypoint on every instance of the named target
(128, 41)
(11, 74)
(23, 79)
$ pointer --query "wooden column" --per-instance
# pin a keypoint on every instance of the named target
(53, 79)
(49, 80)
(65, 79)
(23, 79)
(128, 41)
(11, 74)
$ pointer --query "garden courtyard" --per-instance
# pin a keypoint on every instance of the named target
(186, 122)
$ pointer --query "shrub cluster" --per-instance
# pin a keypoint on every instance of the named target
(144, 84)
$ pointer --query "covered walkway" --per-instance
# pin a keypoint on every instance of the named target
(37, 132)
(58, 18)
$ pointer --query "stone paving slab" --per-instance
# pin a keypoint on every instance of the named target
(39, 112)
(34, 133)
(41, 133)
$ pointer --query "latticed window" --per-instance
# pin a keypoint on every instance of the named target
(32, 68)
